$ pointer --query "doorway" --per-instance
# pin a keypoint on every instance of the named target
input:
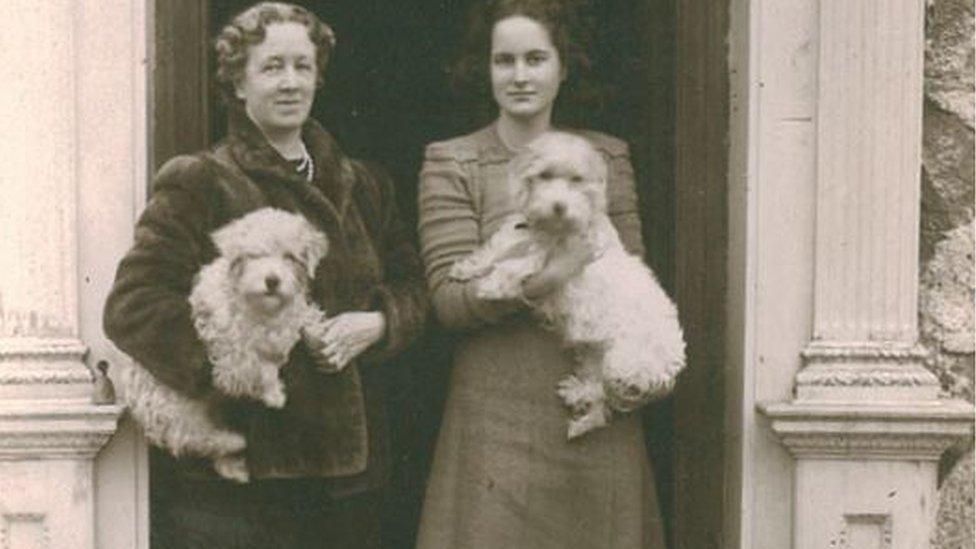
(387, 93)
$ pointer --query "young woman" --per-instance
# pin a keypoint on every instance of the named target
(317, 465)
(504, 474)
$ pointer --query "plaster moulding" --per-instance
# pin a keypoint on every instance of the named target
(35, 521)
(865, 400)
(865, 372)
(878, 528)
(54, 429)
(36, 368)
(885, 431)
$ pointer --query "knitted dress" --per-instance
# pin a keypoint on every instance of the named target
(504, 474)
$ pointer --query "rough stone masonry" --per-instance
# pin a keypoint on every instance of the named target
(946, 297)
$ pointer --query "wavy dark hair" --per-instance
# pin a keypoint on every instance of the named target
(569, 29)
(248, 28)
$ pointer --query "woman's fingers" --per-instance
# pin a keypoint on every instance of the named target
(344, 337)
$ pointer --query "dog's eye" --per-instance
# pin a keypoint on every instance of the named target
(291, 257)
(576, 179)
(546, 175)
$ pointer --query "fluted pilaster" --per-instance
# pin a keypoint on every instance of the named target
(50, 431)
(866, 425)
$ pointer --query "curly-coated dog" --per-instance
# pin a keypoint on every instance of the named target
(614, 315)
(248, 307)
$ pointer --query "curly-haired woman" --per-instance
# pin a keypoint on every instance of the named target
(318, 465)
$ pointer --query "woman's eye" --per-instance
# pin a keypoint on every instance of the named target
(535, 59)
(270, 67)
(503, 60)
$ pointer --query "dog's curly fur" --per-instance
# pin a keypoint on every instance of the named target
(248, 307)
(615, 316)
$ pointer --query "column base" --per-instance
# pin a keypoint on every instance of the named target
(866, 429)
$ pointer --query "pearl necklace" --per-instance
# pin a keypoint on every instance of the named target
(307, 163)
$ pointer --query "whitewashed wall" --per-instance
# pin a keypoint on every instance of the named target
(835, 425)
(73, 107)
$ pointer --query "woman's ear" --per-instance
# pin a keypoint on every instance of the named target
(239, 89)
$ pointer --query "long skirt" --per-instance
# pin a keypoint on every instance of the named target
(504, 473)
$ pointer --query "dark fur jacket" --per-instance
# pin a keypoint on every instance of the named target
(333, 425)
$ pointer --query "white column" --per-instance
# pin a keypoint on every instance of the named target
(866, 425)
(50, 431)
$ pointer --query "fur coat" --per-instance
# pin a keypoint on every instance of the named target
(333, 425)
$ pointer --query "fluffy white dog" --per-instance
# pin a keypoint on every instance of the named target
(248, 307)
(619, 322)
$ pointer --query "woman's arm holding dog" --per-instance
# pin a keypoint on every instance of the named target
(147, 314)
(449, 232)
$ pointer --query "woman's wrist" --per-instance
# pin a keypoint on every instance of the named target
(381, 326)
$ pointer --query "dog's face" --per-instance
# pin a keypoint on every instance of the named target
(268, 283)
(559, 183)
(273, 255)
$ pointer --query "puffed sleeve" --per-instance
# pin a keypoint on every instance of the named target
(622, 205)
(449, 231)
(147, 314)
(401, 296)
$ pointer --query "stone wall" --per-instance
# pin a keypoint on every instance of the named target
(946, 271)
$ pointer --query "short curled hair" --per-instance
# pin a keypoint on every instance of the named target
(568, 30)
(248, 28)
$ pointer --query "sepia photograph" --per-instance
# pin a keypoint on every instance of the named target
(481, 274)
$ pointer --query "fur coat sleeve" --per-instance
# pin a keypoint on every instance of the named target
(401, 295)
(147, 314)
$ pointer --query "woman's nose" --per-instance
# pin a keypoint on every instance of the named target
(289, 80)
(521, 72)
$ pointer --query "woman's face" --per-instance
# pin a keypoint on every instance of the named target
(278, 84)
(525, 68)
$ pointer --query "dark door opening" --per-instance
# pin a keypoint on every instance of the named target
(387, 93)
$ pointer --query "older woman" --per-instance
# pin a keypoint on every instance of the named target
(504, 474)
(317, 465)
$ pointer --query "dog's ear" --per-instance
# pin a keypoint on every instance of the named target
(315, 248)
(236, 266)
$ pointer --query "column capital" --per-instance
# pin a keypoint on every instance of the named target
(865, 372)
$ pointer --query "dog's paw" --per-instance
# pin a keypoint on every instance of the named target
(575, 394)
(232, 468)
(469, 268)
(499, 285)
(590, 421)
(228, 442)
(274, 396)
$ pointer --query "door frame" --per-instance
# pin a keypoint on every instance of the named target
(704, 460)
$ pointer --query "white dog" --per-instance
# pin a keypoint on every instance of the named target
(248, 307)
(620, 323)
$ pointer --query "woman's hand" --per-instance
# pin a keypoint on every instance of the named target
(559, 268)
(340, 339)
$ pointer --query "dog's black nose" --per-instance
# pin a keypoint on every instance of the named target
(559, 209)
(272, 282)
